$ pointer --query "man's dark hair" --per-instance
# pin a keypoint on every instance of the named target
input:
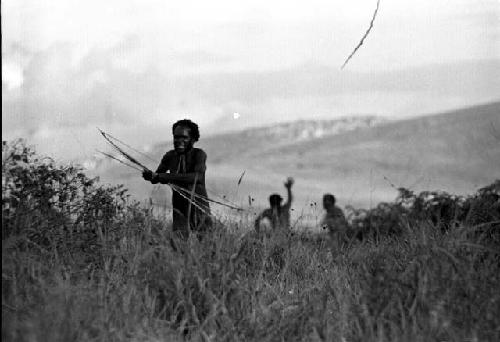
(275, 200)
(329, 197)
(193, 128)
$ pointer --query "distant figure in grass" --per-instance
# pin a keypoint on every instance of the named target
(185, 167)
(335, 221)
(278, 215)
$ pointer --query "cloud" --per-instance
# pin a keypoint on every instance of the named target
(461, 78)
(202, 58)
(121, 88)
(102, 88)
(63, 95)
(12, 75)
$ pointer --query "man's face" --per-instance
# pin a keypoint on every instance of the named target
(182, 139)
(328, 204)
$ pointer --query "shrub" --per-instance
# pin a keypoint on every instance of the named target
(437, 208)
(52, 205)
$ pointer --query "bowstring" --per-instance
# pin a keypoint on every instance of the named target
(120, 161)
(176, 188)
(125, 154)
(193, 202)
(133, 149)
(213, 193)
(201, 197)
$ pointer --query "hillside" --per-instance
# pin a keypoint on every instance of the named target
(224, 148)
(456, 151)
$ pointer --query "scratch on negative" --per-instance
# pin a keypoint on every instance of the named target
(364, 36)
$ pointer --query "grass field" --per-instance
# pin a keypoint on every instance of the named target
(131, 286)
(84, 263)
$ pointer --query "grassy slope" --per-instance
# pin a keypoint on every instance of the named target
(114, 276)
(424, 286)
(469, 136)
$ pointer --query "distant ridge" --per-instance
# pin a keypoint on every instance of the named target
(225, 146)
(310, 129)
(451, 126)
(456, 151)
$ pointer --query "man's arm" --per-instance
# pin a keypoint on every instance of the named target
(288, 185)
(338, 213)
(186, 178)
(341, 217)
(179, 179)
(162, 168)
(259, 218)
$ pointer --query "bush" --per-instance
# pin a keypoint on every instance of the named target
(437, 208)
(51, 206)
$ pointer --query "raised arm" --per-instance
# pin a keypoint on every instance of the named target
(288, 185)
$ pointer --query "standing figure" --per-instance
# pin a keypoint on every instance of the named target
(185, 167)
(335, 221)
(277, 214)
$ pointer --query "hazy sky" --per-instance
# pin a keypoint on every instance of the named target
(132, 67)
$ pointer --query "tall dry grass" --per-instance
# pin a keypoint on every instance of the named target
(114, 275)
